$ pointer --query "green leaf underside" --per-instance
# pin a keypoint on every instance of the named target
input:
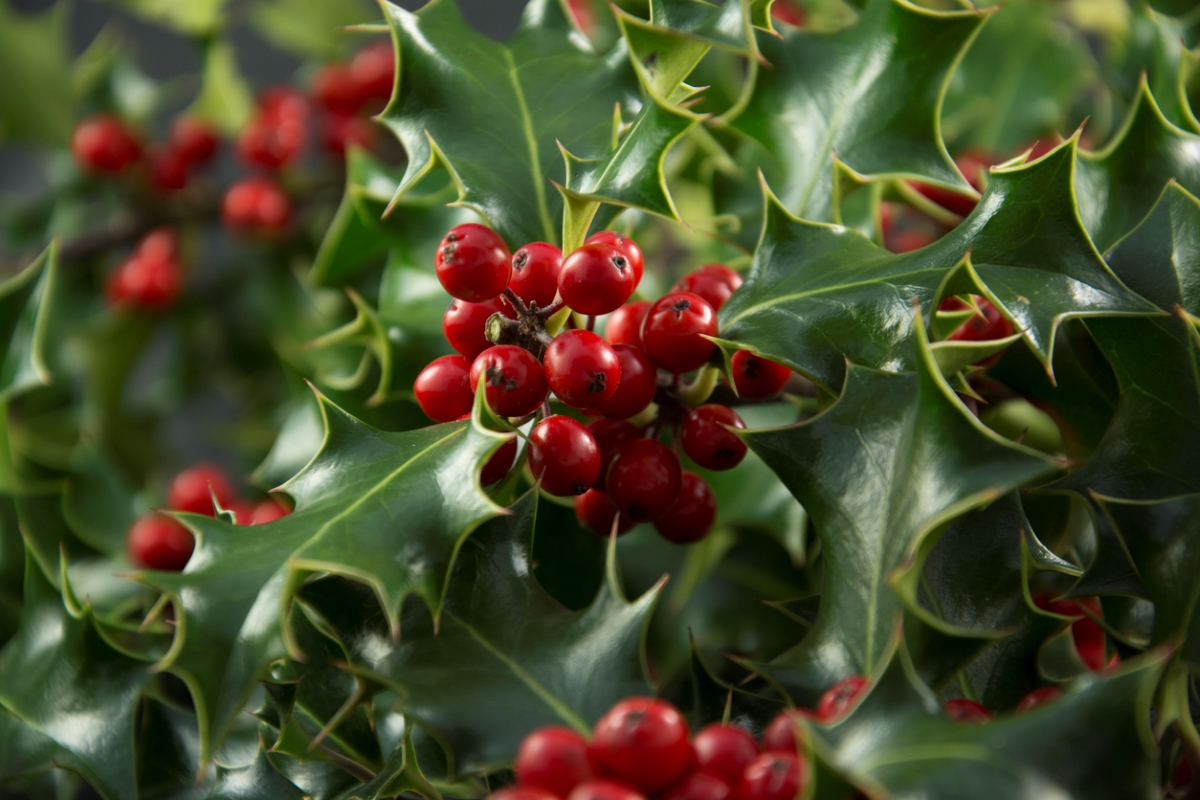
(894, 457)
(494, 114)
(869, 95)
(387, 509)
(817, 294)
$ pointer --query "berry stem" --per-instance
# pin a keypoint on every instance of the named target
(591, 323)
(550, 310)
(517, 303)
(699, 390)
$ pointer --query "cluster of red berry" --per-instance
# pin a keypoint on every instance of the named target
(157, 541)
(151, 277)
(102, 143)
(619, 473)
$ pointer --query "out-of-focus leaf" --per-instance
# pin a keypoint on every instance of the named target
(36, 95)
(194, 18)
(25, 303)
(225, 99)
(309, 28)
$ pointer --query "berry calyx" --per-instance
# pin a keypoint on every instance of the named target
(755, 377)
(639, 383)
(535, 270)
(707, 439)
(102, 143)
(693, 514)
(604, 789)
(594, 510)
(472, 263)
(582, 369)
(624, 326)
(596, 279)
(644, 480)
(716, 283)
(155, 541)
(785, 730)
(966, 712)
(564, 456)
(553, 758)
(465, 324)
(643, 741)
(335, 89)
(256, 205)
(627, 246)
(838, 698)
(674, 330)
(443, 389)
(194, 139)
(195, 488)
(1038, 698)
(611, 436)
(514, 381)
(699, 786)
(775, 776)
(374, 70)
(724, 752)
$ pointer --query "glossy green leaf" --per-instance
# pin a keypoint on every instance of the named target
(25, 307)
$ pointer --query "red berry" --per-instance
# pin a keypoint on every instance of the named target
(625, 245)
(594, 510)
(708, 441)
(953, 303)
(908, 241)
(611, 437)
(535, 273)
(643, 742)
(624, 326)
(775, 776)
(564, 456)
(102, 143)
(283, 103)
(784, 730)
(194, 489)
(167, 167)
(732, 278)
(499, 464)
(693, 514)
(472, 263)
(716, 283)
(160, 244)
(268, 511)
(465, 324)
(604, 789)
(582, 369)
(596, 279)
(644, 480)
(271, 141)
(256, 205)
(443, 389)
(1038, 698)
(243, 512)
(1182, 775)
(839, 697)
(699, 786)
(974, 167)
(724, 752)
(1087, 634)
(790, 12)
(522, 793)
(340, 131)
(194, 139)
(553, 758)
(515, 383)
(374, 70)
(755, 377)
(158, 542)
(966, 712)
(674, 330)
(145, 282)
(639, 383)
(334, 89)
(986, 326)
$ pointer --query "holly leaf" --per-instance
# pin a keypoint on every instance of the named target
(225, 99)
(308, 28)
(895, 456)
(819, 294)
(869, 96)
(36, 100)
(1151, 450)
(61, 679)
(388, 509)
(198, 18)
(25, 307)
(494, 114)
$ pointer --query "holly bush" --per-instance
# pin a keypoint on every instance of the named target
(977, 478)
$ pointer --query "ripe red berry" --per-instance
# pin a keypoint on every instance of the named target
(625, 245)
(102, 143)
(522, 793)
(158, 542)
(594, 510)
(639, 383)
(283, 102)
(160, 244)
(775, 776)
(604, 789)
(271, 141)
(674, 330)
(472, 263)
(1182, 775)
(553, 758)
(167, 168)
(784, 730)
(514, 381)
(724, 752)
(988, 325)
(708, 441)
(499, 464)
(1038, 698)
(194, 489)
(966, 712)
(644, 480)
(334, 89)
(596, 279)
(693, 514)
(535, 270)
(564, 456)
(582, 369)
(699, 786)
(443, 389)
(974, 167)
(256, 205)
(340, 131)
(643, 741)
(1086, 632)
(374, 70)
(611, 436)
(194, 139)
(716, 283)
(790, 12)
(755, 377)
(465, 324)
(267, 511)
(839, 697)
(624, 326)
(144, 282)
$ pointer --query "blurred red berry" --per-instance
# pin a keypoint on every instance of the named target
(102, 143)
(155, 541)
